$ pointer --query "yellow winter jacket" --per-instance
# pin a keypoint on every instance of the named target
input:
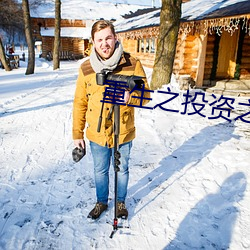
(87, 104)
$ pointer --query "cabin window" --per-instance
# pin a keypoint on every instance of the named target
(140, 45)
(146, 45)
(152, 45)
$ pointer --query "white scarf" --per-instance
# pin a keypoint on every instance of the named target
(98, 64)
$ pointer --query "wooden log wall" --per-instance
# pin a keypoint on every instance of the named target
(146, 59)
(50, 22)
(131, 46)
(190, 56)
(73, 45)
(66, 44)
(178, 61)
(47, 45)
(79, 46)
(186, 55)
(185, 59)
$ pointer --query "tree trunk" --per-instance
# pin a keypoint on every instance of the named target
(28, 33)
(168, 34)
(3, 57)
(56, 59)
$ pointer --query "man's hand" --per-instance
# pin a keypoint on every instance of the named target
(126, 96)
(117, 98)
(79, 143)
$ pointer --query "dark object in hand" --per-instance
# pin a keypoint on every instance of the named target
(78, 153)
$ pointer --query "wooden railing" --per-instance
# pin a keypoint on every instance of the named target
(63, 55)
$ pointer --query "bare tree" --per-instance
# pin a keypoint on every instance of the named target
(3, 57)
(36, 3)
(56, 59)
(11, 24)
(28, 33)
(168, 34)
(11, 16)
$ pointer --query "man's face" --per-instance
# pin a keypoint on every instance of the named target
(104, 42)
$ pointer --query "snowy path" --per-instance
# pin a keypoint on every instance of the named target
(188, 184)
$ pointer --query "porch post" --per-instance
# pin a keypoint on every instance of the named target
(202, 39)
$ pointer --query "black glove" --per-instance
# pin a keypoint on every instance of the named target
(78, 153)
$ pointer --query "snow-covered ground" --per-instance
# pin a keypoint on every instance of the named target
(189, 175)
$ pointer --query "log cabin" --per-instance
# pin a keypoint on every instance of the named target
(213, 41)
(74, 37)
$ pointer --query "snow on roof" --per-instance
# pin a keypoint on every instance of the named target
(197, 9)
(85, 10)
(80, 32)
(192, 10)
(145, 20)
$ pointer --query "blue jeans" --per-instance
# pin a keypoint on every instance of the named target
(102, 157)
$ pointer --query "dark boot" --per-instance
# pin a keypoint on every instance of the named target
(97, 210)
(122, 211)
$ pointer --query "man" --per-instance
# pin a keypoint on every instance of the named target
(107, 54)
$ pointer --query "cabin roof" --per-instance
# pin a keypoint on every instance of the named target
(193, 10)
(84, 10)
(140, 21)
(208, 9)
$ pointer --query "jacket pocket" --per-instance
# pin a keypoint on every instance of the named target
(127, 121)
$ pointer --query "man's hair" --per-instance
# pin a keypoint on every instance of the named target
(101, 24)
